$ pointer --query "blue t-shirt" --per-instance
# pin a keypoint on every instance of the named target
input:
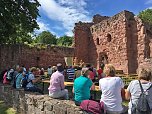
(19, 77)
(82, 87)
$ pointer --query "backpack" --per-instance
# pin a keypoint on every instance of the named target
(14, 81)
(92, 107)
(9, 76)
(25, 80)
(142, 106)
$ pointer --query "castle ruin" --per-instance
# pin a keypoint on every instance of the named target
(122, 40)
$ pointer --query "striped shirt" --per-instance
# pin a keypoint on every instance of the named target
(70, 73)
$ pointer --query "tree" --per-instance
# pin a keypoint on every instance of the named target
(46, 38)
(65, 41)
(146, 15)
(16, 17)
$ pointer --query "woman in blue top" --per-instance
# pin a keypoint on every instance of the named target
(82, 87)
(19, 77)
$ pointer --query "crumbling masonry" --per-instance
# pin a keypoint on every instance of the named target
(122, 40)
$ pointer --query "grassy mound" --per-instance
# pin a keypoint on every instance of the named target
(5, 109)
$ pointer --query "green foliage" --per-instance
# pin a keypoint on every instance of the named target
(46, 38)
(17, 20)
(6, 110)
(65, 41)
(146, 15)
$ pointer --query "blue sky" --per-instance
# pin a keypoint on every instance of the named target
(59, 16)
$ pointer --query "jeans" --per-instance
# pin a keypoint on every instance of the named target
(34, 89)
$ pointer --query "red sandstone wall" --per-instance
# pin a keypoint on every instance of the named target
(150, 44)
(131, 41)
(116, 48)
(82, 41)
(33, 56)
(98, 18)
(140, 43)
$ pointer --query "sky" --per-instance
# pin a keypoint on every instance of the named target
(60, 16)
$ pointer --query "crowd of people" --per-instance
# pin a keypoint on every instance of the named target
(84, 78)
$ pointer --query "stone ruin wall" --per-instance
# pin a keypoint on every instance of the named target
(81, 41)
(139, 46)
(83, 38)
(34, 103)
(115, 49)
(130, 42)
(148, 36)
(33, 56)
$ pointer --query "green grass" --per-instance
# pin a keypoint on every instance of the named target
(5, 109)
(125, 103)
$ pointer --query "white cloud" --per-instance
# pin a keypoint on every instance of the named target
(43, 27)
(149, 2)
(67, 12)
(149, 8)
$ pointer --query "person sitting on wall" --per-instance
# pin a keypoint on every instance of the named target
(16, 70)
(82, 86)
(54, 69)
(32, 80)
(134, 90)
(57, 88)
(19, 77)
(8, 76)
(112, 87)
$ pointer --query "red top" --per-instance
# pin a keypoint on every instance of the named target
(100, 71)
(91, 75)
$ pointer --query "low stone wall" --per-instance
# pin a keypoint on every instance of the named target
(34, 103)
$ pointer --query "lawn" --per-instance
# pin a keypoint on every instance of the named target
(5, 109)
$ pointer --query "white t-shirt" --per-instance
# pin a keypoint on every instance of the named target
(111, 93)
(134, 89)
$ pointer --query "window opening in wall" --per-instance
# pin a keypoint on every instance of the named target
(148, 33)
(37, 58)
(92, 30)
(98, 43)
(129, 25)
(108, 37)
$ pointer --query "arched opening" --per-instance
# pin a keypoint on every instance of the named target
(103, 59)
(109, 37)
(98, 43)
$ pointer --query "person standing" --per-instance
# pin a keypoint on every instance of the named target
(49, 71)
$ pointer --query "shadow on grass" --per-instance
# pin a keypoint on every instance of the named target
(5, 109)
